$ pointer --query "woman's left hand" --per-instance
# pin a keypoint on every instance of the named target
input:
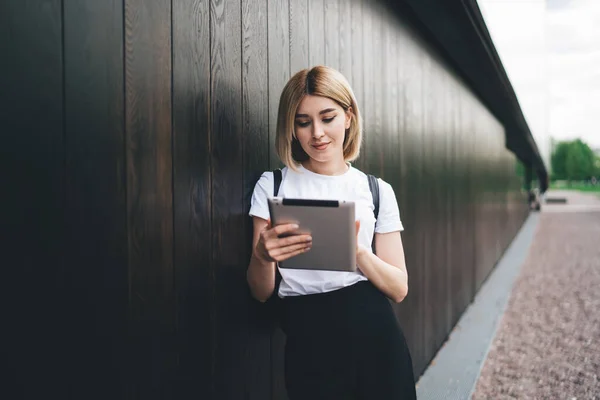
(359, 249)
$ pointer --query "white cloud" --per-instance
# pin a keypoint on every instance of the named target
(551, 52)
(574, 58)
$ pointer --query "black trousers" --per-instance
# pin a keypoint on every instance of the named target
(345, 344)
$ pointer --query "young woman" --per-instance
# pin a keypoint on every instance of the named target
(343, 340)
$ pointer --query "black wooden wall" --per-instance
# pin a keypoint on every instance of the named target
(133, 132)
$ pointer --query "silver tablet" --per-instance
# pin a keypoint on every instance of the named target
(331, 224)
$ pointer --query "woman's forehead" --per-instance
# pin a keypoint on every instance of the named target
(314, 104)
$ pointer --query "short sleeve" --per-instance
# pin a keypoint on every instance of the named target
(389, 214)
(263, 189)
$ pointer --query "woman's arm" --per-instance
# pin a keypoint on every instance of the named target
(387, 269)
(267, 249)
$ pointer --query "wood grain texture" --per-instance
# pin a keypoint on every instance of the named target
(255, 139)
(345, 36)
(227, 198)
(32, 158)
(356, 78)
(299, 39)
(427, 208)
(316, 32)
(149, 198)
(332, 33)
(368, 105)
(415, 210)
(278, 42)
(137, 158)
(279, 73)
(192, 188)
(97, 262)
(375, 139)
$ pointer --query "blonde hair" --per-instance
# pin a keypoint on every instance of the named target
(317, 81)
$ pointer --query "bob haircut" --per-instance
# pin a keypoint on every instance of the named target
(317, 81)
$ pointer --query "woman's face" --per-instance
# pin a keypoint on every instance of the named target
(320, 127)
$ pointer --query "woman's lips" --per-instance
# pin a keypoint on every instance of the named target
(320, 146)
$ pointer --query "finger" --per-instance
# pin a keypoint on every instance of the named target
(294, 239)
(275, 254)
(279, 229)
(357, 226)
(278, 243)
(289, 255)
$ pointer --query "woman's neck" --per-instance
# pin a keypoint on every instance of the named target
(329, 168)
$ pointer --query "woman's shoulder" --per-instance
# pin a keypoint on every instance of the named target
(267, 178)
(384, 186)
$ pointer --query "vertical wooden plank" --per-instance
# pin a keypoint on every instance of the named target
(32, 156)
(429, 221)
(345, 43)
(417, 215)
(376, 159)
(368, 85)
(332, 33)
(299, 38)
(279, 65)
(149, 197)
(389, 97)
(357, 76)
(96, 262)
(227, 199)
(316, 32)
(255, 124)
(407, 316)
(279, 74)
(445, 199)
(194, 270)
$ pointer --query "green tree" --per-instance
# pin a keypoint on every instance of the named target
(580, 161)
(558, 160)
(573, 160)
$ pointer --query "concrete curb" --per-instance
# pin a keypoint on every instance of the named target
(456, 367)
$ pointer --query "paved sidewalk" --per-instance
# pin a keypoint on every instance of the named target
(548, 342)
(453, 373)
(538, 338)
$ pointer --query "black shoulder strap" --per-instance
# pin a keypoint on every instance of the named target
(277, 182)
(374, 187)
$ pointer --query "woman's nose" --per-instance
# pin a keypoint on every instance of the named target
(317, 131)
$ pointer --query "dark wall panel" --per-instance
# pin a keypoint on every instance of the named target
(140, 142)
(227, 197)
(316, 32)
(152, 298)
(192, 202)
(331, 13)
(96, 263)
(279, 74)
(356, 78)
(255, 139)
(278, 45)
(299, 27)
(33, 156)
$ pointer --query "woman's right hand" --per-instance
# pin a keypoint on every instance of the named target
(273, 248)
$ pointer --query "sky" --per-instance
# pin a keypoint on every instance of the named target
(550, 50)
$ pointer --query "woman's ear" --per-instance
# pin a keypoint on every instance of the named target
(349, 115)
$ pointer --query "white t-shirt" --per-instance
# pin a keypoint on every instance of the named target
(353, 185)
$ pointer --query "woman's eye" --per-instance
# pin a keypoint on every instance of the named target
(303, 124)
(328, 120)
